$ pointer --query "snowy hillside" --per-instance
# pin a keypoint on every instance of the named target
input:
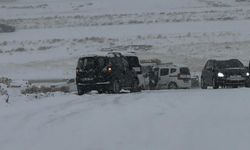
(52, 34)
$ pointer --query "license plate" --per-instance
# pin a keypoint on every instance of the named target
(87, 79)
(236, 77)
(185, 76)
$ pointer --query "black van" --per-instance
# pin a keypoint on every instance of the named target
(106, 73)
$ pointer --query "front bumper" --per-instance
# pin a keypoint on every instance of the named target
(241, 81)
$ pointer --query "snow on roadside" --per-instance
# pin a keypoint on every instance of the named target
(167, 119)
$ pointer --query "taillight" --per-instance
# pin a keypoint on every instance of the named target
(183, 76)
(109, 69)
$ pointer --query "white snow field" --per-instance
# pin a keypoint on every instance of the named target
(52, 34)
(167, 119)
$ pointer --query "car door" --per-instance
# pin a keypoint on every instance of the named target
(163, 78)
(127, 73)
(207, 73)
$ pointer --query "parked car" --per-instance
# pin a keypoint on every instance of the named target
(105, 73)
(6, 28)
(171, 76)
(146, 71)
(224, 73)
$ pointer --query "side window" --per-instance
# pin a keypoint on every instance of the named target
(125, 63)
(80, 63)
(164, 72)
(173, 70)
(206, 65)
(209, 65)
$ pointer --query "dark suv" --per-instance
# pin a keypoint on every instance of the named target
(107, 73)
(224, 73)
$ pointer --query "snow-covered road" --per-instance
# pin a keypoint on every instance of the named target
(179, 119)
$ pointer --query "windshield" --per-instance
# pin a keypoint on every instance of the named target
(92, 62)
(229, 64)
(184, 70)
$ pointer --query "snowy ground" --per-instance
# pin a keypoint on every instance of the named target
(52, 34)
(182, 119)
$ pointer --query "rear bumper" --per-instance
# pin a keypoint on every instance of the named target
(94, 84)
(184, 84)
(91, 85)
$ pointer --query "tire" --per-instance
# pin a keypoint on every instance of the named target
(101, 91)
(80, 90)
(135, 86)
(203, 84)
(115, 88)
(247, 85)
(215, 84)
(235, 86)
(172, 85)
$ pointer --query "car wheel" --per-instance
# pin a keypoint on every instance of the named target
(235, 86)
(101, 91)
(172, 85)
(80, 90)
(135, 86)
(247, 85)
(203, 84)
(215, 84)
(116, 87)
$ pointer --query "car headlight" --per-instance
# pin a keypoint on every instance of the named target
(221, 75)
(247, 74)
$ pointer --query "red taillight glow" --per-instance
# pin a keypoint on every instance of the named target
(109, 69)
